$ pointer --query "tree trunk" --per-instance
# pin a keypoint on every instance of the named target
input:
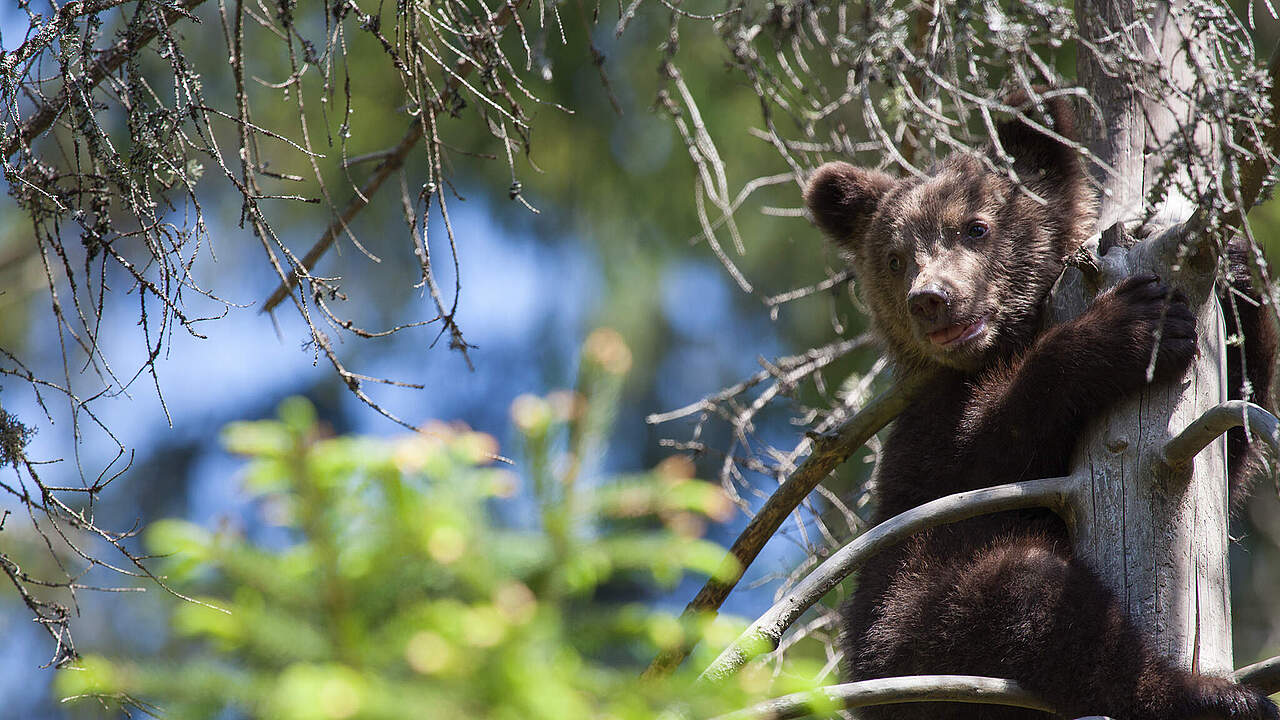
(1156, 536)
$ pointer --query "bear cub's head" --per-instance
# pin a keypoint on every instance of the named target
(956, 266)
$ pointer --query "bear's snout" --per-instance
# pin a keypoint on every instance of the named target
(930, 305)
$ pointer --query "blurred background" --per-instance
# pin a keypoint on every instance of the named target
(614, 243)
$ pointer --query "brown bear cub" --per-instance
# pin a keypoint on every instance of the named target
(955, 268)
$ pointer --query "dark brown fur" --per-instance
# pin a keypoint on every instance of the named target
(1251, 361)
(968, 255)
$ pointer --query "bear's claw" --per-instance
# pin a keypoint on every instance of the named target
(1141, 311)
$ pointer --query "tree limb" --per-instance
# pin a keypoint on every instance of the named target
(1264, 676)
(883, 691)
(390, 163)
(828, 453)
(765, 633)
(1255, 172)
(107, 63)
(1216, 421)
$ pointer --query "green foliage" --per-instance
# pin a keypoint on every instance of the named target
(398, 593)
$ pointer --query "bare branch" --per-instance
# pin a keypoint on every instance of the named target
(1264, 675)
(64, 17)
(885, 691)
(1218, 420)
(1259, 165)
(392, 161)
(766, 632)
(109, 62)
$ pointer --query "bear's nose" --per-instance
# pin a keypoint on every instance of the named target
(929, 302)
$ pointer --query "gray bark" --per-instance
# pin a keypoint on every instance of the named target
(1156, 534)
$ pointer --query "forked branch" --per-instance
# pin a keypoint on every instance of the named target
(110, 61)
(391, 162)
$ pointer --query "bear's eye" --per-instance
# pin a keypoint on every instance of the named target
(977, 230)
(895, 263)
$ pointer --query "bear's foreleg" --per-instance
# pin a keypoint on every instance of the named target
(1025, 419)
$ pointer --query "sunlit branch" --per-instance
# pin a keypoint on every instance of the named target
(391, 162)
(884, 691)
(108, 63)
(766, 632)
(1218, 420)
(1264, 675)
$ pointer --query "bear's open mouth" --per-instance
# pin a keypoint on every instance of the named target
(958, 334)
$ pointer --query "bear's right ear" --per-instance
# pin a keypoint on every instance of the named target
(842, 199)
(1040, 156)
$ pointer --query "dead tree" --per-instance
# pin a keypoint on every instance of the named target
(1155, 531)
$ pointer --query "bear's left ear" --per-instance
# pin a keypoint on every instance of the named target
(842, 198)
(1037, 157)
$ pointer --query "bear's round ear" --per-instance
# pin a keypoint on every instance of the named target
(842, 198)
(1037, 156)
